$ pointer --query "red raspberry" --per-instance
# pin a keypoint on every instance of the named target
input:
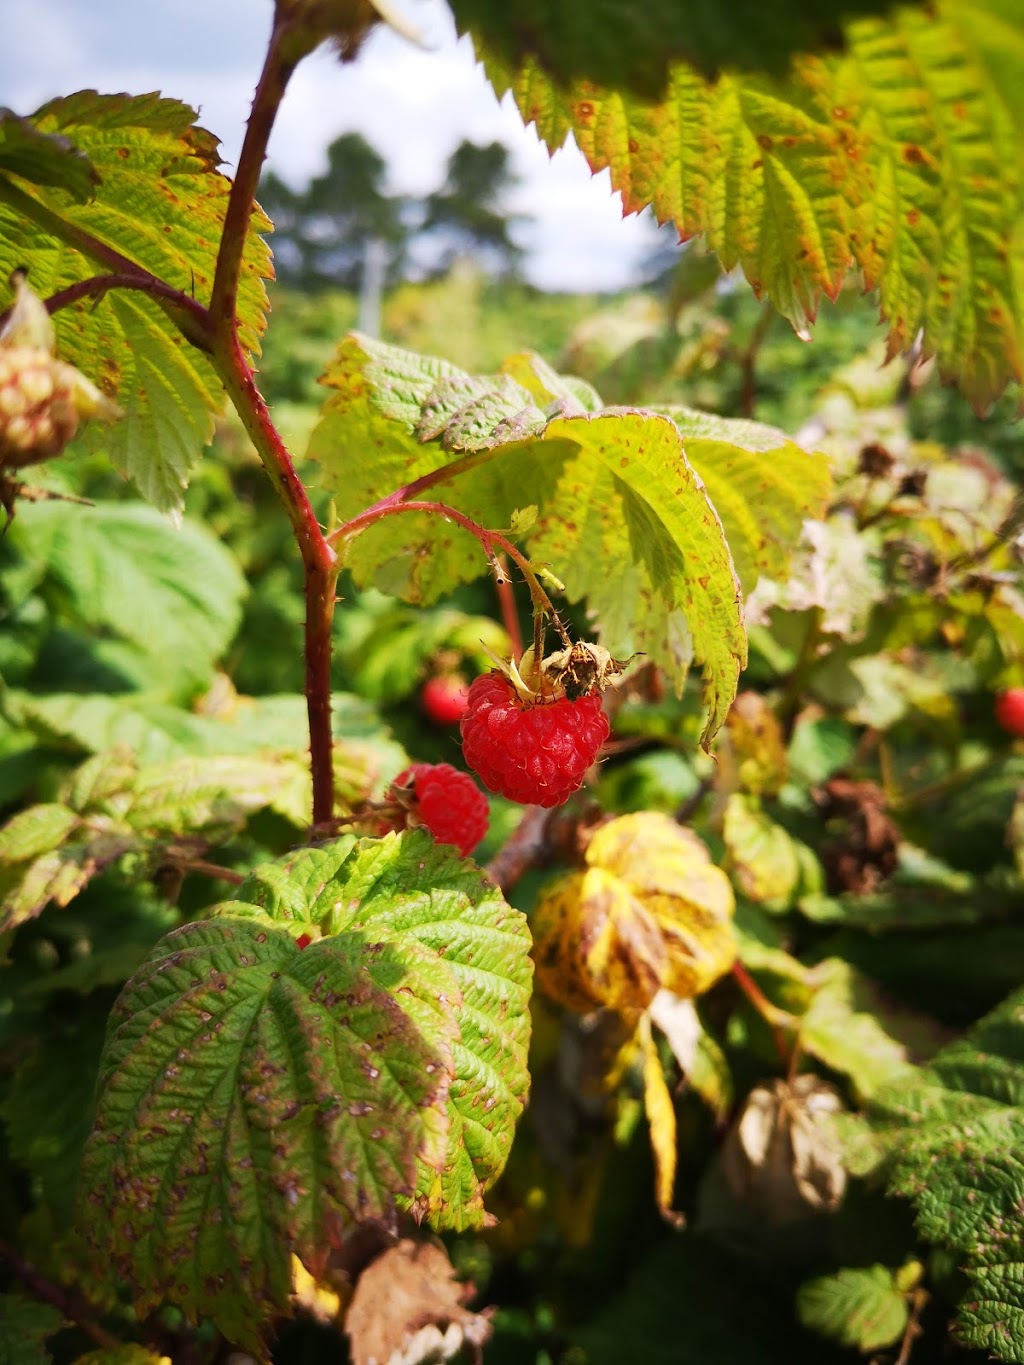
(1009, 710)
(448, 803)
(534, 752)
(304, 940)
(445, 698)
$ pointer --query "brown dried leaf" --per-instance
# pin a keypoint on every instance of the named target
(408, 1308)
(781, 1157)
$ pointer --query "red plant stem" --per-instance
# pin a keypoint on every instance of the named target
(488, 540)
(525, 848)
(98, 285)
(425, 482)
(284, 50)
(62, 1300)
(776, 1019)
(318, 559)
(273, 81)
(187, 315)
(509, 610)
(204, 869)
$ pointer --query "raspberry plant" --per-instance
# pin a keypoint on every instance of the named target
(267, 1025)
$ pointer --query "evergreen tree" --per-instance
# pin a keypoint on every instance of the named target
(466, 216)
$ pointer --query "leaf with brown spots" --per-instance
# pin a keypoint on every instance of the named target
(898, 157)
(949, 1138)
(258, 1095)
(159, 199)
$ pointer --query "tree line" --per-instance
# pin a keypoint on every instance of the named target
(324, 232)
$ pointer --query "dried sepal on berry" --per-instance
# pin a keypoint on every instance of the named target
(42, 399)
(649, 912)
(583, 668)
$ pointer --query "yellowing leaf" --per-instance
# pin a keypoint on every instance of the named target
(661, 1116)
(310, 1294)
(899, 157)
(752, 749)
(650, 911)
(762, 858)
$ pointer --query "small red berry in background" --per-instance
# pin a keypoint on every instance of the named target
(444, 698)
(304, 940)
(1009, 710)
(446, 802)
(538, 752)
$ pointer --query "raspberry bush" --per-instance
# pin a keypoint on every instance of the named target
(699, 1038)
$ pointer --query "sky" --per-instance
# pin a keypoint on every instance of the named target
(414, 104)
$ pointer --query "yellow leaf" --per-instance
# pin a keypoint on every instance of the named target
(319, 1300)
(661, 1116)
(650, 911)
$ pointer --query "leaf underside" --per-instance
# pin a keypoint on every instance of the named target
(159, 198)
(630, 46)
(898, 158)
(624, 518)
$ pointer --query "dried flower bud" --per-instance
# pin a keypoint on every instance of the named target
(781, 1156)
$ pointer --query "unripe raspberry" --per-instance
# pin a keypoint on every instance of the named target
(38, 414)
(535, 752)
(446, 802)
(42, 399)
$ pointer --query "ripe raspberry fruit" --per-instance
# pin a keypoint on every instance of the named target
(446, 802)
(304, 940)
(535, 752)
(445, 698)
(1009, 710)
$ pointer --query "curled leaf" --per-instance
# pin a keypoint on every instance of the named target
(650, 911)
(661, 1116)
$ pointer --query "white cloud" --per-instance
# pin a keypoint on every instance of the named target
(414, 105)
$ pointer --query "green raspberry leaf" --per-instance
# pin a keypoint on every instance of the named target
(122, 572)
(256, 1098)
(634, 533)
(48, 1109)
(25, 1325)
(44, 159)
(160, 200)
(897, 157)
(857, 1306)
(950, 1139)
(412, 887)
(636, 536)
(763, 487)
